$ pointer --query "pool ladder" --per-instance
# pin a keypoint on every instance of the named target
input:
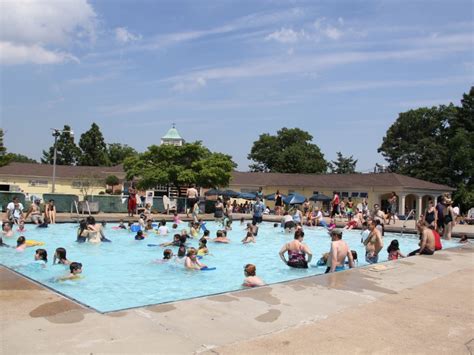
(410, 214)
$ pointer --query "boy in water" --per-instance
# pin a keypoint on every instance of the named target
(75, 269)
(251, 279)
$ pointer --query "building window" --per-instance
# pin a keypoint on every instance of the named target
(78, 184)
(38, 183)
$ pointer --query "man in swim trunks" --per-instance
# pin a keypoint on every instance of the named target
(193, 196)
(427, 240)
(258, 211)
(35, 213)
(338, 253)
(373, 244)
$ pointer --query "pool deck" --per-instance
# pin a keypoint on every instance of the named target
(422, 305)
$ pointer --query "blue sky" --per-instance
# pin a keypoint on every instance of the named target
(227, 71)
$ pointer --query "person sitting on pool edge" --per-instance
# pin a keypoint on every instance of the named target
(338, 253)
(251, 278)
(191, 262)
(75, 269)
(427, 240)
(297, 252)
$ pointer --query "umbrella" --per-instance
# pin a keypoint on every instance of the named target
(230, 193)
(320, 197)
(271, 197)
(294, 199)
(213, 192)
(247, 195)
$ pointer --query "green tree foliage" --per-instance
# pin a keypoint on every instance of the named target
(290, 151)
(118, 152)
(93, 148)
(435, 144)
(7, 158)
(190, 163)
(112, 180)
(343, 165)
(67, 151)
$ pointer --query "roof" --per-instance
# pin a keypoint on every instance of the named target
(62, 171)
(172, 134)
(329, 181)
(334, 181)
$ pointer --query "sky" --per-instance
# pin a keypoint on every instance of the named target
(227, 71)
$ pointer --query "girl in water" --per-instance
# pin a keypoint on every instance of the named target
(41, 256)
(75, 272)
(249, 238)
(22, 243)
(60, 257)
(393, 251)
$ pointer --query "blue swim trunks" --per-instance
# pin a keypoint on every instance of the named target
(340, 268)
(371, 259)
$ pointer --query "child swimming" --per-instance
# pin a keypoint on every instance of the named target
(60, 257)
(191, 262)
(251, 279)
(393, 251)
(249, 238)
(41, 256)
(22, 243)
(202, 250)
(139, 235)
(75, 269)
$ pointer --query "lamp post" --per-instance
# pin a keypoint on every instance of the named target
(56, 134)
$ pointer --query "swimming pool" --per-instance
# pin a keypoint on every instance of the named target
(122, 274)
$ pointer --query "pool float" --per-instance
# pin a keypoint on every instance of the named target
(33, 243)
(153, 245)
(205, 268)
(135, 228)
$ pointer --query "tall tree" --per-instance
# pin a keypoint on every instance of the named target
(19, 158)
(435, 144)
(118, 152)
(187, 164)
(93, 148)
(289, 151)
(67, 152)
(343, 165)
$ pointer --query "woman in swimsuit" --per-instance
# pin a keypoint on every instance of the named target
(132, 201)
(297, 252)
(50, 212)
(219, 212)
(431, 215)
(392, 208)
(278, 203)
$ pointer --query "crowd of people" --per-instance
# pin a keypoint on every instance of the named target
(436, 221)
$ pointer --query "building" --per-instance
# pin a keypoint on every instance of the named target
(172, 137)
(36, 179)
(377, 188)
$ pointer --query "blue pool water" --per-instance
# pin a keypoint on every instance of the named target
(122, 274)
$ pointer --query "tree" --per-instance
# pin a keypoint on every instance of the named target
(343, 165)
(435, 144)
(112, 180)
(67, 152)
(93, 148)
(19, 158)
(187, 164)
(290, 151)
(118, 152)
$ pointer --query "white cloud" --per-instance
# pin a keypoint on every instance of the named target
(190, 85)
(286, 35)
(323, 29)
(89, 79)
(11, 54)
(29, 28)
(332, 32)
(123, 36)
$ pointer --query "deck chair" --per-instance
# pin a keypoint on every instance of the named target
(169, 204)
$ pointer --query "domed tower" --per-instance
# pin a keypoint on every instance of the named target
(172, 137)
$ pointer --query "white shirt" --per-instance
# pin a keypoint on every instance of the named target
(287, 218)
(15, 212)
(456, 210)
(163, 230)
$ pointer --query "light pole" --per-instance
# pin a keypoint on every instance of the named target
(56, 134)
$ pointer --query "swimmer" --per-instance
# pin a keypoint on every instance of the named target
(251, 279)
(220, 238)
(275, 225)
(82, 232)
(163, 229)
(181, 254)
(393, 251)
(228, 226)
(167, 255)
(21, 226)
(202, 250)
(176, 241)
(41, 256)
(463, 239)
(121, 225)
(75, 269)
(338, 253)
(60, 257)
(206, 234)
(194, 230)
(2, 244)
(140, 235)
(22, 243)
(191, 262)
(242, 221)
(149, 225)
(174, 226)
(7, 230)
(176, 219)
(249, 238)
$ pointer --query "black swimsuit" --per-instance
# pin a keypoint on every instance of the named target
(430, 217)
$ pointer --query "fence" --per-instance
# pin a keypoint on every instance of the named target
(62, 202)
(6, 197)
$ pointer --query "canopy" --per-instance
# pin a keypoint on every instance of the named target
(272, 197)
(294, 199)
(320, 197)
(213, 192)
(247, 195)
(230, 193)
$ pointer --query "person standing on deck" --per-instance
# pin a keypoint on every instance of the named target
(258, 211)
(192, 196)
(335, 204)
(132, 200)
